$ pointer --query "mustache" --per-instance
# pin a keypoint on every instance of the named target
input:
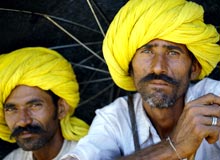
(29, 128)
(163, 77)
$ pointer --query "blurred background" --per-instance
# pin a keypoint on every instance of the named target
(75, 29)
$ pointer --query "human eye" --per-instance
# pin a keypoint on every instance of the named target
(35, 105)
(9, 108)
(173, 53)
(146, 50)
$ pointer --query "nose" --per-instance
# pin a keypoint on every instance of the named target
(159, 64)
(24, 118)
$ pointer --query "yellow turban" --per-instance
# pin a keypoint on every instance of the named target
(48, 70)
(140, 21)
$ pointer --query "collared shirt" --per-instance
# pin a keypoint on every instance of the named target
(20, 154)
(110, 135)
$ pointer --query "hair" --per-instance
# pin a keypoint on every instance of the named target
(54, 97)
(55, 100)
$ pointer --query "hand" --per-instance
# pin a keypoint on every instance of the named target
(195, 124)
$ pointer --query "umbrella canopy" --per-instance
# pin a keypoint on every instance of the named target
(75, 29)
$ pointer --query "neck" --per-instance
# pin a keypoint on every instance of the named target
(51, 150)
(165, 119)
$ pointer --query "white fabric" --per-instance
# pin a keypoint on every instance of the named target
(110, 134)
(20, 154)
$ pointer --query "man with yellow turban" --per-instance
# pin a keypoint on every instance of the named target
(38, 96)
(156, 48)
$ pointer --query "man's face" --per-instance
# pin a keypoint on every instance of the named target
(161, 72)
(31, 116)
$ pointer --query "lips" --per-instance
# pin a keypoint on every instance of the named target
(25, 134)
(159, 83)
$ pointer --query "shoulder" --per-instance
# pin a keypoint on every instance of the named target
(205, 86)
(119, 107)
(208, 84)
(69, 144)
(19, 154)
(67, 147)
(114, 116)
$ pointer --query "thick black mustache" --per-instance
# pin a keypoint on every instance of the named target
(29, 128)
(163, 77)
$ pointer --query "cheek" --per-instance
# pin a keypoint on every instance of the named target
(140, 65)
(10, 121)
(184, 69)
(44, 119)
(138, 70)
(181, 66)
(47, 118)
(138, 74)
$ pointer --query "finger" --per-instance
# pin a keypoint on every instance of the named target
(210, 133)
(211, 110)
(205, 110)
(206, 120)
(207, 99)
(213, 134)
(213, 129)
(212, 121)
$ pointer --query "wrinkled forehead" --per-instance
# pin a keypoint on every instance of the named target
(165, 44)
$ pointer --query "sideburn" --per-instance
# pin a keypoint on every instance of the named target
(55, 100)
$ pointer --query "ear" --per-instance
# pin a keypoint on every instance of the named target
(195, 70)
(63, 108)
(130, 69)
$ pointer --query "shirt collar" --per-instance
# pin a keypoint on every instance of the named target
(146, 131)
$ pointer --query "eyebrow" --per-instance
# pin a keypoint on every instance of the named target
(34, 101)
(8, 105)
(170, 47)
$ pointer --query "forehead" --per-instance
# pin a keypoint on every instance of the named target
(165, 44)
(23, 92)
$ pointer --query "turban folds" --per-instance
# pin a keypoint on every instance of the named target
(48, 70)
(140, 21)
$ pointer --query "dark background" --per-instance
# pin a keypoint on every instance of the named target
(23, 24)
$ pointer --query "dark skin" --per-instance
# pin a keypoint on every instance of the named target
(163, 100)
(172, 60)
(187, 124)
(31, 106)
(192, 127)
